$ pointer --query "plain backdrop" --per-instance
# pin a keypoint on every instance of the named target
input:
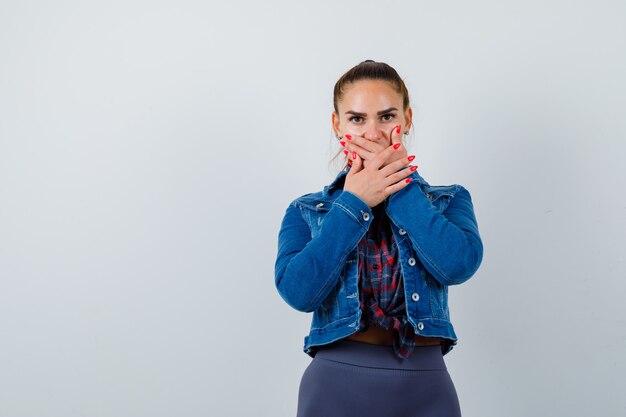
(149, 150)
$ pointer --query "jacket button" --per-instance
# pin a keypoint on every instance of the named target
(402, 231)
(412, 261)
(415, 296)
(366, 216)
(420, 325)
(319, 205)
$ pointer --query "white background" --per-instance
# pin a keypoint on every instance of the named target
(149, 149)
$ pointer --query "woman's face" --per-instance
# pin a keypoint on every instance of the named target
(371, 108)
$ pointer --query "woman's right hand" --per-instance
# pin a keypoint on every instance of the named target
(374, 184)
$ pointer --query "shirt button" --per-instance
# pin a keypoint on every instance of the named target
(402, 231)
(415, 296)
(411, 261)
(366, 216)
(319, 205)
(420, 325)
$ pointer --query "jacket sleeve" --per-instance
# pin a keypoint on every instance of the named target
(448, 244)
(306, 268)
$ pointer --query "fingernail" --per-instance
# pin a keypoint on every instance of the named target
(398, 129)
(408, 180)
(349, 162)
(413, 168)
(353, 154)
(348, 137)
(412, 157)
(342, 143)
(346, 152)
(396, 146)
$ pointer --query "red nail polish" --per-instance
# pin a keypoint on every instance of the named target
(398, 129)
(342, 143)
(349, 162)
(412, 157)
(348, 137)
(396, 146)
(353, 155)
(408, 180)
(413, 168)
(346, 152)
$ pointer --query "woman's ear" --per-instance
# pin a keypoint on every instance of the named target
(408, 119)
(336, 125)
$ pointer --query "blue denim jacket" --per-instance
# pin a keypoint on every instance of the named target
(316, 267)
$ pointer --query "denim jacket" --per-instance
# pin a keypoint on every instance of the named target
(316, 268)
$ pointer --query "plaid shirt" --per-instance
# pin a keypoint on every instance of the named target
(381, 286)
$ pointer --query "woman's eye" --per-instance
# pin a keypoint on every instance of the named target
(353, 119)
(389, 117)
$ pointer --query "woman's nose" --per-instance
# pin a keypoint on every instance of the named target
(373, 132)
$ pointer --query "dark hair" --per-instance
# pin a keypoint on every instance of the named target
(370, 70)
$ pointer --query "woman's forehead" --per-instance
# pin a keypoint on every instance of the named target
(371, 95)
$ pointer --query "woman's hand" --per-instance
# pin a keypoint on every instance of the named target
(366, 149)
(374, 183)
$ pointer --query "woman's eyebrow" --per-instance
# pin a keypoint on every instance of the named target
(355, 113)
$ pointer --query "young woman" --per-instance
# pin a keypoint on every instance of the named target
(372, 256)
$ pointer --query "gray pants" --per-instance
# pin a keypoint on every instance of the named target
(356, 379)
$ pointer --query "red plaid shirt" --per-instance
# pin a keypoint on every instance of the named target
(381, 287)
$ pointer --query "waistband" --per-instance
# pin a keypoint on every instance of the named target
(427, 357)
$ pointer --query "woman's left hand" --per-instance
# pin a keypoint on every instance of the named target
(367, 149)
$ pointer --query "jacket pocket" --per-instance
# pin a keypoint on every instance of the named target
(440, 195)
(335, 305)
(314, 213)
(438, 296)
